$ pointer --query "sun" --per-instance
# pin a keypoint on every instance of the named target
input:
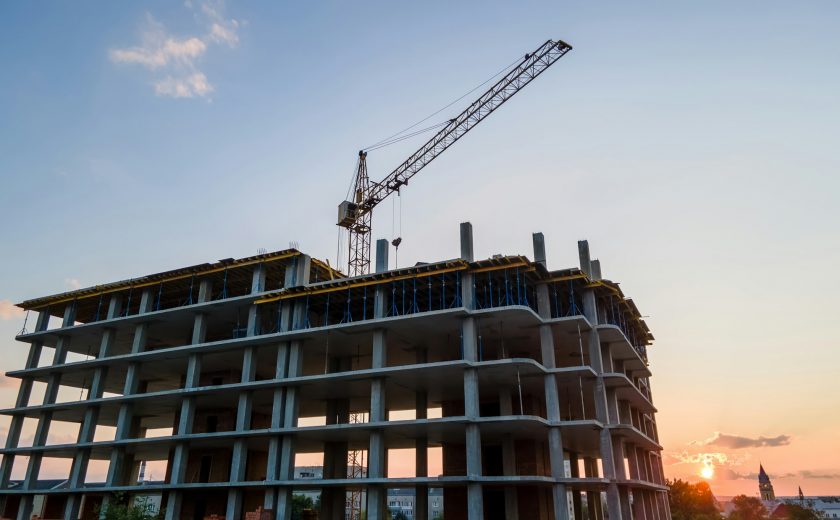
(707, 472)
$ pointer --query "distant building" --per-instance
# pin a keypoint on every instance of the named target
(765, 487)
(403, 500)
(827, 506)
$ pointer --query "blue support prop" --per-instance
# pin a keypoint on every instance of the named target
(128, 305)
(518, 293)
(348, 316)
(190, 299)
(327, 312)
(223, 294)
(160, 291)
(98, 308)
(430, 293)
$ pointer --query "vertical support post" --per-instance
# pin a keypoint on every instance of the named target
(539, 249)
(24, 393)
(239, 454)
(552, 397)
(469, 334)
(593, 498)
(287, 401)
(45, 418)
(597, 354)
(78, 468)
(187, 416)
(508, 456)
(377, 452)
(421, 449)
(577, 503)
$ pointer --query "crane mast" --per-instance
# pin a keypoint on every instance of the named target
(356, 215)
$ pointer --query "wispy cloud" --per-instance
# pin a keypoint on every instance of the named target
(737, 442)
(730, 474)
(8, 311)
(72, 284)
(715, 457)
(174, 60)
(805, 473)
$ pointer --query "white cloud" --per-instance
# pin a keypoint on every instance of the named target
(72, 284)
(174, 60)
(225, 33)
(194, 85)
(736, 442)
(8, 311)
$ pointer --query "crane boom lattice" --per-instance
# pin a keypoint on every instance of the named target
(356, 215)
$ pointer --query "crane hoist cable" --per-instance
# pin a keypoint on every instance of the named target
(441, 109)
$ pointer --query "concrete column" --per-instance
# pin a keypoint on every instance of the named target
(24, 393)
(125, 418)
(552, 398)
(290, 418)
(508, 457)
(639, 512)
(620, 474)
(239, 455)
(583, 255)
(577, 503)
(272, 470)
(467, 289)
(376, 509)
(186, 417)
(475, 499)
(593, 498)
(421, 452)
(597, 362)
(286, 402)
(45, 418)
(78, 468)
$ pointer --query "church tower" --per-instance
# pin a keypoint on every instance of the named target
(764, 485)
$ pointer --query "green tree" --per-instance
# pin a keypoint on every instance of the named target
(299, 503)
(121, 508)
(692, 501)
(747, 508)
(797, 512)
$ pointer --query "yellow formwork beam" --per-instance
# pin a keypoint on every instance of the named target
(96, 291)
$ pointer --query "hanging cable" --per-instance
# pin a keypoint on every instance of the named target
(25, 319)
(433, 114)
(383, 144)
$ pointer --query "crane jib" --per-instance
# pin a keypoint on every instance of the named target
(370, 194)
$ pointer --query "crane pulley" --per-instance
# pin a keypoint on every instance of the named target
(356, 214)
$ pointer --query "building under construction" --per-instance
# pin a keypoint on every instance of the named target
(531, 383)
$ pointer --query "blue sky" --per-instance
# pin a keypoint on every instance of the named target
(693, 144)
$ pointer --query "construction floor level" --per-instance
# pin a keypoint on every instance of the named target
(531, 385)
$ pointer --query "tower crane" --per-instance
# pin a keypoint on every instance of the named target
(356, 215)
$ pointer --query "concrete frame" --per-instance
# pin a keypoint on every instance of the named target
(612, 377)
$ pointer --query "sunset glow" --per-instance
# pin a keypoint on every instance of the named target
(707, 471)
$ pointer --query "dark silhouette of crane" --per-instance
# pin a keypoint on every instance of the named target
(356, 214)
